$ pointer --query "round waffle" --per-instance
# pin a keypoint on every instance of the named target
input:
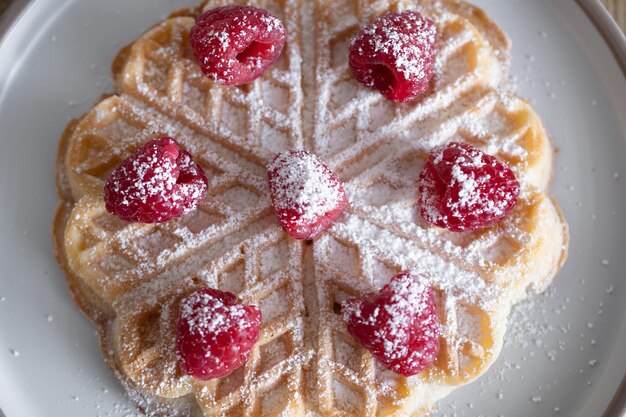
(130, 278)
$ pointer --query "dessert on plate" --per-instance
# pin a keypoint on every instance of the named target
(266, 180)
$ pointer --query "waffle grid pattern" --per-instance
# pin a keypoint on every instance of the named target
(305, 361)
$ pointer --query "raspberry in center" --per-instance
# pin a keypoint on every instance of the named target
(307, 196)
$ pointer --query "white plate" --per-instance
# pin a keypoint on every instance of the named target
(568, 354)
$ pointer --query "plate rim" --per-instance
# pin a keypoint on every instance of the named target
(608, 28)
(615, 39)
(12, 16)
(595, 11)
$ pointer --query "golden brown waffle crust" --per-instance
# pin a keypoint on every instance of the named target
(471, 101)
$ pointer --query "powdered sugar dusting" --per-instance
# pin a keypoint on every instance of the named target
(215, 333)
(405, 37)
(379, 150)
(151, 176)
(303, 188)
(235, 44)
(208, 316)
(155, 184)
(400, 325)
(463, 188)
(395, 55)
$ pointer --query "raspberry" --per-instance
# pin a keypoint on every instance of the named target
(234, 45)
(155, 184)
(215, 333)
(395, 55)
(398, 325)
(308, 197)
(463, 189)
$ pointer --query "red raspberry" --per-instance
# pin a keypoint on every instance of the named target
(215, 333)
(464, 189)
(398, 325)
(155, 184)
(308, 197)
(234, 45)
(395, 55)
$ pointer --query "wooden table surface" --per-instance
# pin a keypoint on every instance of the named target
(616, 7)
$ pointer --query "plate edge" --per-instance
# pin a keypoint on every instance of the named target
(608, 29)
(616, 41)
(12, 16)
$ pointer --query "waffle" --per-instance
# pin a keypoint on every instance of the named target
(130, 278)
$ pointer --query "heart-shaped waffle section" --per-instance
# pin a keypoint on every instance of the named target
(130, 278)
